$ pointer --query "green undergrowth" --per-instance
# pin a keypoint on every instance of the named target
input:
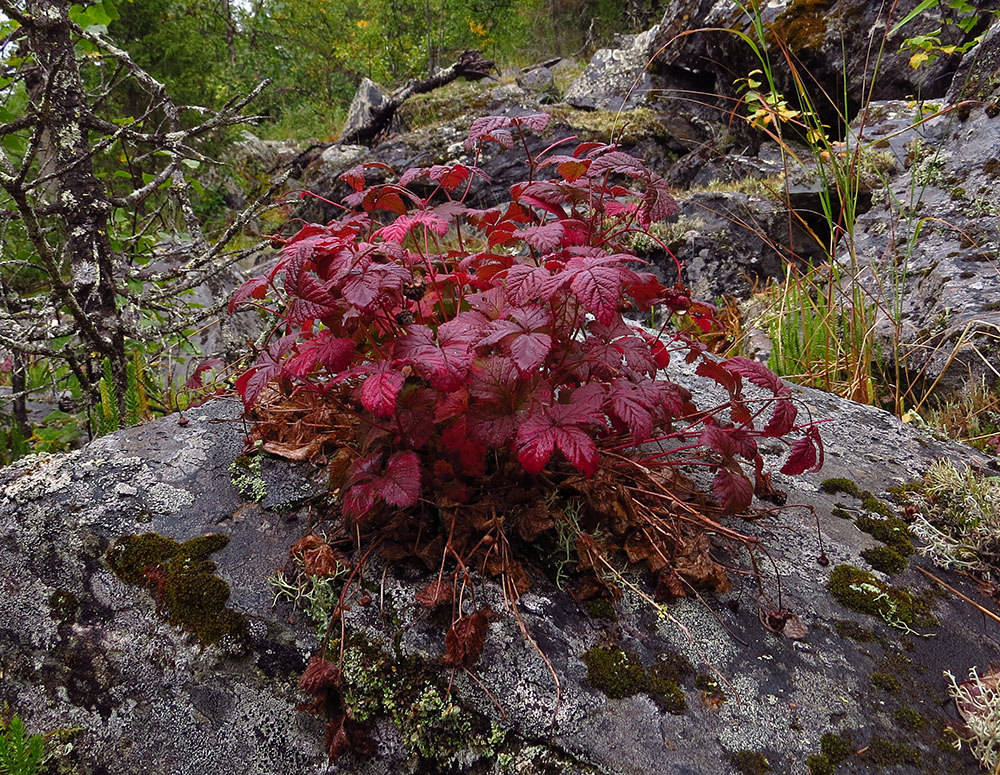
(182, 580)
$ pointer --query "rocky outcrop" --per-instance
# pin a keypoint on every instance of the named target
(829, 41)
(616, 78)
(367, 99)
(929, 248)
(703, 689)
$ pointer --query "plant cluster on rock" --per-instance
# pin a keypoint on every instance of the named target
(470, 379)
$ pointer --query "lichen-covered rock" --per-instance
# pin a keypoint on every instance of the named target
(616, 78)
(87, 640)
(929, 248)
(369, 97)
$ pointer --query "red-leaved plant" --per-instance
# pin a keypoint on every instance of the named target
(454, 337)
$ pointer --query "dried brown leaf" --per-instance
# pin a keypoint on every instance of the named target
(535, 521)
(697, 566)
(438, 592)
(465, 639)
(669, 587)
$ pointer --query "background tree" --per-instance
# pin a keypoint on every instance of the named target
(87, 194)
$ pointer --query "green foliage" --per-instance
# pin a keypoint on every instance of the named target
(20, 753)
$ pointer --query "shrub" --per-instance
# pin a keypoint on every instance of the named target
(453, 337)
(473, 368)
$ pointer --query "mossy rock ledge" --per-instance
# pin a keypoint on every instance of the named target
(82, 648)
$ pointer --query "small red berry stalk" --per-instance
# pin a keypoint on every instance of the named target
(458, 338)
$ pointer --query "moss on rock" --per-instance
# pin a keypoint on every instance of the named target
(750, 762)
(182, 580)
(619, 674)
(860, 591)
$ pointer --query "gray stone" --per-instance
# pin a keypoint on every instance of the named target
(929, 248)
(367, 98)
(615, 78)
(80, 649)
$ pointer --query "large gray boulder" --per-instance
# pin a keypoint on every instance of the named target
(368, 98)
(82, 649)
(616, 78)
(929, 248)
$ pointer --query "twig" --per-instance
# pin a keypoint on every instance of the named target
(969, 600)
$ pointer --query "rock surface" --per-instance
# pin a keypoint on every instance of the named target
(81, 649)
(616, 78)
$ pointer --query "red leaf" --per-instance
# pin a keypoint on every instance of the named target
(404, 224)
(525, 336)
(620, 162)
(782, 419)
(399, 484)
(391, 201)
(572, 170)
(598, 282)
(254, 288)
(658, 204)
(380, 390)
(757, 373)
(632, 404)
(541, 433)
(734, 491)
(354, 177)
(727, 379)
(527, 283)
(450, 177)
(326, 350)
(252, 382)
(493, 128)
(195, 381)
(544, 239)
(717, 440)
(447, 361)
(309, 297)
(804, 454)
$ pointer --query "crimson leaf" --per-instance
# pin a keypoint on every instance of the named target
(782, 419)
(758, 374)
(804, 454)
(331, 352)
(399, 484)
(733, 490)
(380, 390)
(556, 426)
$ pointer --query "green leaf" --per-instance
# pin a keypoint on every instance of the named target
(923, 6)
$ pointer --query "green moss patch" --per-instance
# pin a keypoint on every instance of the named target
(854, 631)
(885, 682)
(619, 674)
(750, 762)
(885, 559)
(838, 484)
(860, 591)
(886, 754)
(600, 608)
(892, 532)
(182, 580)
(836, 748)
(908, 718)
(819, 764)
